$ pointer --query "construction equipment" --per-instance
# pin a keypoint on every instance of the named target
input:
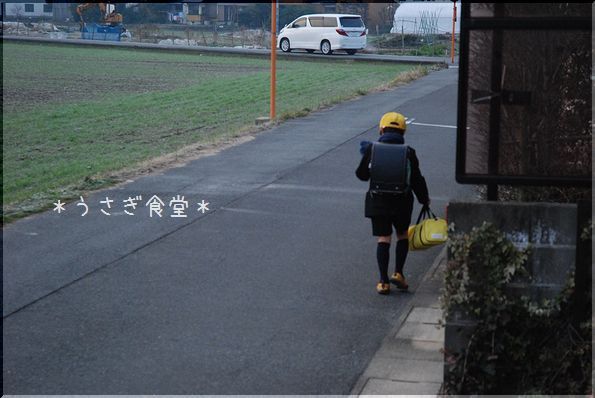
(109, 16)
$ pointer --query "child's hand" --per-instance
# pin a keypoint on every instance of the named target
(363, 145)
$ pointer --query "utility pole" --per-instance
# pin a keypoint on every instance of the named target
(273, 57)
(454, 20)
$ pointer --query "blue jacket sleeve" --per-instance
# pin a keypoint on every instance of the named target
(363, 145)
(363, 171)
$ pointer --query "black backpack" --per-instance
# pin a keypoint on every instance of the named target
(390, 169)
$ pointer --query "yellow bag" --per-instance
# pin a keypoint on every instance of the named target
(429, 231)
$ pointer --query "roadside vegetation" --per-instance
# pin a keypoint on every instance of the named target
(413, 45)
(521, 344)
(75, 116)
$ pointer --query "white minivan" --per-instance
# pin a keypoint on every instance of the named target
(324, 32)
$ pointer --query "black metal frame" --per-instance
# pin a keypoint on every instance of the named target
(498, 24)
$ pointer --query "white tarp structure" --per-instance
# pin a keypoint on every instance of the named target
(425, 18)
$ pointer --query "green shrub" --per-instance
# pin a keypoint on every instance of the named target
(518, 346)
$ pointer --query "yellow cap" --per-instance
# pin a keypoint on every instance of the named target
(394, 120)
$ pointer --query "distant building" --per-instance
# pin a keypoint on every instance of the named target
(36, 10)
(204, 13)
(29, 10)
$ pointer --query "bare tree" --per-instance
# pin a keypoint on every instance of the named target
(387, 15)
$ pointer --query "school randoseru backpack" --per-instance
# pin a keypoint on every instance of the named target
(390, 169)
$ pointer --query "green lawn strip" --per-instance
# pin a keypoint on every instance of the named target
(66, 148)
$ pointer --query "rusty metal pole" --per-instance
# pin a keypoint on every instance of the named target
(273, 57)
(454, 20)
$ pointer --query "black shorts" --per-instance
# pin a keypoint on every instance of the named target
(383, 226)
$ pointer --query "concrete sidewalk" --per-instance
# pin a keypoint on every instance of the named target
(410, 360)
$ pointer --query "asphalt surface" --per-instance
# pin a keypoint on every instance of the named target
(271, 291)
(239, 51)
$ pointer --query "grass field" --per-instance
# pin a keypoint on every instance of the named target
(73, 115)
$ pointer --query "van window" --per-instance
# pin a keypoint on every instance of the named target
(330, 22)
(300, 23)
(316, 22)
(352, 22)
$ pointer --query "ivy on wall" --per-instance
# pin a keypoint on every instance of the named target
(518, 346)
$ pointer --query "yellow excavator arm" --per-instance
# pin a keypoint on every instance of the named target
(108, 14)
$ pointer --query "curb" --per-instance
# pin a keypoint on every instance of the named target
(364, 378)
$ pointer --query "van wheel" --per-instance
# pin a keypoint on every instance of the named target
(309, 51)
(285, 46)
(325, 47)
(350, 52)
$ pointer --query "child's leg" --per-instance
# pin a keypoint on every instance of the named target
(383, 256)
(382, 229)
(401, 250)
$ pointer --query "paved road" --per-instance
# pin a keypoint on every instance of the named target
(239, 51)
(271, 291)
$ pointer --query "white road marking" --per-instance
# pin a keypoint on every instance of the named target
(446, 126)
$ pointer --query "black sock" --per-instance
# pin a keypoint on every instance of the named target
(401, 254)
(382, 255)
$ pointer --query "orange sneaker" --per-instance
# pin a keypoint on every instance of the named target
(399, 280)
(383, 288)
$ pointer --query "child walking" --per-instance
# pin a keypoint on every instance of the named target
(392, 211)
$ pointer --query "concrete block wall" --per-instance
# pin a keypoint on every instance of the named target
(548, 228)
(523, 223)
(550, 231)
